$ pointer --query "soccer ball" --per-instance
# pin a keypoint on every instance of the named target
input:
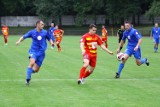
(120, 56)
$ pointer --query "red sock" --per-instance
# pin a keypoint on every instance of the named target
(82, 71)
(58, 45)
(87, 73)
(106, 45)
(5, 39)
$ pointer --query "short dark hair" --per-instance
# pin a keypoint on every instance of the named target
(127, 22)
(92, 26)
(38, 22)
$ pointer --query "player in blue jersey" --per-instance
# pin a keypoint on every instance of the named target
(51, 32)
(37, 49)
(133, 47)
(155, 34)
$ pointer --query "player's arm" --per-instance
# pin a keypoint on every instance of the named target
(120, 45)
(151, 35)
(82, 47)
(62, 31)
(138, 44)
(106, 49)
(139, 37)
(118, 34)
(27, 35)
(20, 40)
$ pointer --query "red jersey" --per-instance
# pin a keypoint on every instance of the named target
(91, 42)
(58, 34)
(5, 30)
(104, 33)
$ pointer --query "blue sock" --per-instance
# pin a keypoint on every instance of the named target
(121, 65)
(29, 73)
(143, 60)
(154, 48)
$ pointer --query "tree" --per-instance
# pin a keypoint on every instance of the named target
(154, 10)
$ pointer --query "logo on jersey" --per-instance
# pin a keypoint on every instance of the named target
(39, 37)
(136, 33)
(129, 37)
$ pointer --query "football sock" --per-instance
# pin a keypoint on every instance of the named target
(58, 46)
(121, 48)
(29, 73)
(106, 45)
(143, 60)
(121, 66)
(154, 48)
(82, 72)
(86, 74)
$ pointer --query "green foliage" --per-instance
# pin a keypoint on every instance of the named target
(155, 9)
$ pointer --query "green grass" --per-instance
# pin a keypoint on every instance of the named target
(55, 85)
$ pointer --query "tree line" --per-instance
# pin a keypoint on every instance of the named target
(116, 10)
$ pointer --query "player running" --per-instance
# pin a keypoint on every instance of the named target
(5, 32)
(50, 31)
(120, 34)
(37, 49)
(133, 47)
(88, 45)
(58, 33)
(104, 36)
(155, 33)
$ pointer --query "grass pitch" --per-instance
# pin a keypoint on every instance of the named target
(56, 83)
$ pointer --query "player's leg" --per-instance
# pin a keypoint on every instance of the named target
(92, 64)
(128, 53)
(58, 45)
(30, 70)
(83, 69)
(5, 39)
(139, 60)
(106, 42)
(156, 41)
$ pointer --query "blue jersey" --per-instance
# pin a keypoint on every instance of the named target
(39, 43)
(133, 36)
(155, 32)
(51, 31)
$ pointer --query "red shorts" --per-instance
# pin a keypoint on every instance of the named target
(92, 59)
(104, 39)
(58, 41)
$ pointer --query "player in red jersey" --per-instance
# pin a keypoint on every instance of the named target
(5, 32)
(104, 36)
(58, 33)
(88, 45)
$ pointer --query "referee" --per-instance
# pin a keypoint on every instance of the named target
(120, 34)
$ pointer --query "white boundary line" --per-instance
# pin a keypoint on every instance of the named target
(121, 79)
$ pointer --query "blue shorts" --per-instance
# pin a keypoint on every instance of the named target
(156, 40)
(130, 52)
(39, 57)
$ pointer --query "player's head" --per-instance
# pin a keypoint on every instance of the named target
(156, 24)
(39, 24)
(52, 24)
(122, 27)
(92, 29)
(56, 26)
(127, 25)
(103, 26)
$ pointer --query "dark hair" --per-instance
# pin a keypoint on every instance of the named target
(92, 26)
(127, 22)
(38, 22)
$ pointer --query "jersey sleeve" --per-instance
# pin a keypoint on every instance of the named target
(124, 36)
(137, 34)
(83, 39)
(99, 41)
(27, 35)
